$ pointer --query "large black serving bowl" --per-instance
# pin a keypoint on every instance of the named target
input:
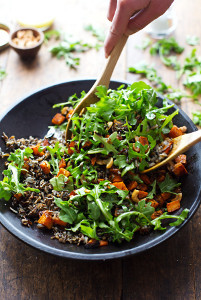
(31, 116)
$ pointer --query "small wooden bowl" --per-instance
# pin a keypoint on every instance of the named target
(26, 51)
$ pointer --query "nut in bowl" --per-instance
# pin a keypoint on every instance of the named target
(26, 41)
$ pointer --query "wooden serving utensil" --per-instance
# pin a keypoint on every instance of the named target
(104, 79)
(180, 145)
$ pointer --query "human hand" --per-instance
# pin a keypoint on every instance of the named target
(130, 16)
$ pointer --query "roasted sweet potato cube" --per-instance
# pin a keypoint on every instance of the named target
(145, 178)
(179, 169)
(142, 194)
(154, 203)
(166, 196)
(115, 178)
(132, 185)
(45, 166)
(156, 214)
(181, 158)
(58, 119)
(175, 132)
(143, 140)
(62, 163)
(120, 185)
(63, 172)
(36, 151)
(172, 206)
(46, 219)
(59, 222)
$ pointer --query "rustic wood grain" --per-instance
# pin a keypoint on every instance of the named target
(169, 271)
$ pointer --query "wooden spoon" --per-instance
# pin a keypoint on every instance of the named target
(180, 145)
(104, 79)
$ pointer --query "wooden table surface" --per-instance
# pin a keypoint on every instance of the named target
(169, 271)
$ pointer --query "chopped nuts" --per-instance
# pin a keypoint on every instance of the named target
(26, 39)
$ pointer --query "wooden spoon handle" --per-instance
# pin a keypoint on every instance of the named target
(187, 140)
(103, 79)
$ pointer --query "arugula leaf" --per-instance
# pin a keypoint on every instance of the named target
(158, 224)
(97, 32)
(18, 156)
(153, 191)
(52, 33)
(150, 73)
(62, 183)
(67, 48)
(196, 118)
(168, 185)
(67, 213)
(145, 44)
(2, 74)
(192, 40)
(56, 154)
(164, 48)
(11, 183)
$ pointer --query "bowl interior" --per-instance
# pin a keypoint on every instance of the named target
(32, 116)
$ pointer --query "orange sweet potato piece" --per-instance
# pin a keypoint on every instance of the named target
(115, 170)
(71, 151)
(59, 222)
(181, 158)
(154, 203)
(63, 172)
(18, 196)
(142, 187)
(62, 163)
(166, 196)
(161, 177)
(175, 132)
(58, 119)
(45, 166)
(103, 243)
(87, 144)
(142, 194)
(26, 166)
(145, 178)
(172, 206)
(156, 214)
(46, 219)
(120, 185)
(93, 160)
(132, 185)
(73, 193)
(143, 140)
(179, 169)
(36, 150)
(116, 178)
(160, 200)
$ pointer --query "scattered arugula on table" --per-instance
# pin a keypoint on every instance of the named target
(97, 32)
(67, 48)
(52, 33)
(196, 117)
(145, 44)
(192, 40)
(165, 48)
(2, 74)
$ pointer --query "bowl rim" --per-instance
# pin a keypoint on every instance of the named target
(39, 32)
(102, 256)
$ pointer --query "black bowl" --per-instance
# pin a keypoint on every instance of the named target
(31, 116)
